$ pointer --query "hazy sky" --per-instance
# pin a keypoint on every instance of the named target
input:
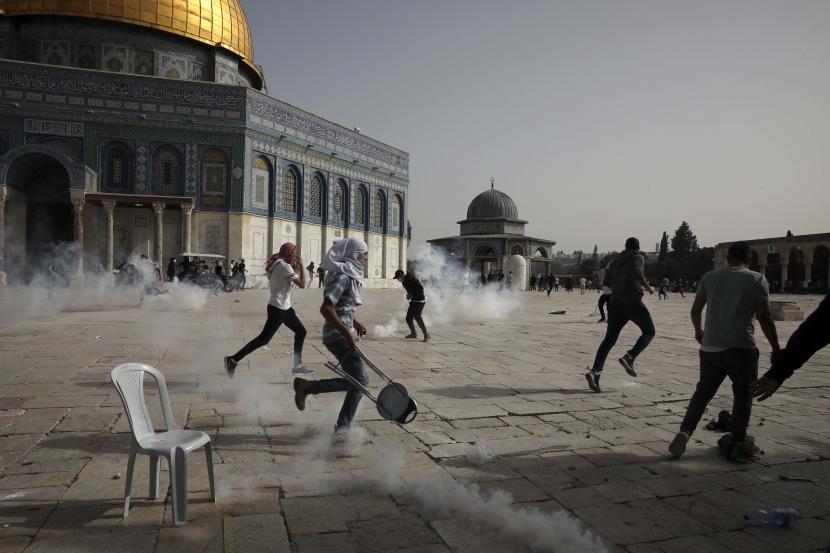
(600, 119)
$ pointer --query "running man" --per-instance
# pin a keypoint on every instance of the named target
(282, 269)
(344, 264)
(727, 348)
(417, 301)
(626, 280)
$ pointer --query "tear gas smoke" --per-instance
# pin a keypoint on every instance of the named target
(387, 330)
(453, 293)
(480, 453)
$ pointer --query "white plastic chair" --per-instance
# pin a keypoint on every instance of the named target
(174, 444)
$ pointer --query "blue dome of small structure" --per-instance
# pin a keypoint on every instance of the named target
(492, 204)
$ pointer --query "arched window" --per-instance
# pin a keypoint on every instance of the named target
(117, 167)
(359, 206)
(261, 178)
(517, 250)
(540, 252)
(214, 172)
(167, 171)
(289, 191)
(396, 207)
(484, 250)
(339, 202)
(315, 196)
(377, 209)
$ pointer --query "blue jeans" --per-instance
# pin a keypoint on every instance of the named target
(353, 365)
(619, 313)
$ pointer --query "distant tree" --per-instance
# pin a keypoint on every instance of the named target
(684, 241)
(595, 256)
(664, 247)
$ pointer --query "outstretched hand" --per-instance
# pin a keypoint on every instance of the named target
(764, 387)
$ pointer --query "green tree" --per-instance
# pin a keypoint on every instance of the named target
(684, 241)
(664, 247)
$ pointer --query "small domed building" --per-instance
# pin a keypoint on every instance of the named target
(132, 127)
(493, 239)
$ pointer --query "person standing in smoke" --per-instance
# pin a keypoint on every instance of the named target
(171, 269)
(417, 301)
(242, 271)
(344, 263)
(282, 269)
(509, 280)
(321, 275)
(626, 280)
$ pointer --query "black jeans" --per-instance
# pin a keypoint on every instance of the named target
(741, 366)
(276, 317)
(414, 314)
(620, 311)
(603, 299)
(352, 363)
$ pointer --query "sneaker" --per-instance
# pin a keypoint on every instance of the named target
(301, 369)
(628, 364)
(678, 445)
(593, 380)
(411, 336)
(230, 366)
(740, 452)
(426, 337)
(302, 388)
(340, 436)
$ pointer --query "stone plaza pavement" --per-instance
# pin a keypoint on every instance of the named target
(515, 387)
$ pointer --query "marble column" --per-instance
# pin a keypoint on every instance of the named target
(158, 209)
(187, 228)
(2, 235)
(78, 205)
(109, 209)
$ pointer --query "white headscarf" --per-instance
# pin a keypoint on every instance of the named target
(346, 257)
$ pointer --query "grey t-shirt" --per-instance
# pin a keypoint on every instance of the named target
(732, 298)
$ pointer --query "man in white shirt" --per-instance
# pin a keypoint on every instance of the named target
(282, 268)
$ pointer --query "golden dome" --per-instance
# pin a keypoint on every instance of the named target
(220, 23)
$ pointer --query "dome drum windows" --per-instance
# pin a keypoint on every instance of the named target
(167, 171)
(378, 206)
(116, 169)
(338, 209)
(214, 172)
(261, 178)
(288, 200)
(315, 196)
(359, 206)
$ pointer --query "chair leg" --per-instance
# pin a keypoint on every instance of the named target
(129, 484)
(209, 458)
(178, 485)
(155, 470)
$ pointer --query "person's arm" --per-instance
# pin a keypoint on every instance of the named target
(299, 279)
(764, 316)
(641, 277)
(330, 315)
(810, 336)
(697, 316)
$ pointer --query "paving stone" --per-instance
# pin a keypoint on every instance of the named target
(130, 540)
(393, 533)
(198, 536)
(255, 534)
(325, 543)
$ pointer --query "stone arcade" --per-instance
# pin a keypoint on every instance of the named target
(143, 128)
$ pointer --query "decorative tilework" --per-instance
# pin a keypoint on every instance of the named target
(190, 166)
(59, 128)
(141, 159)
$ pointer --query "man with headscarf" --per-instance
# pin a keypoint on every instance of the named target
(626, 280)
(282, 269)
(343, 264)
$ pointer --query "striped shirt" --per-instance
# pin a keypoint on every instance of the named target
(338, 293)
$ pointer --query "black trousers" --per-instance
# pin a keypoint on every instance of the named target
(619, 313)
(276, 318)
(414, 314)
(741, 366)
(603, 300)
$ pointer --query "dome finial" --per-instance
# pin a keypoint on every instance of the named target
(492, 183)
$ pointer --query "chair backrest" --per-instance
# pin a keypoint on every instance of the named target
(129, 381)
